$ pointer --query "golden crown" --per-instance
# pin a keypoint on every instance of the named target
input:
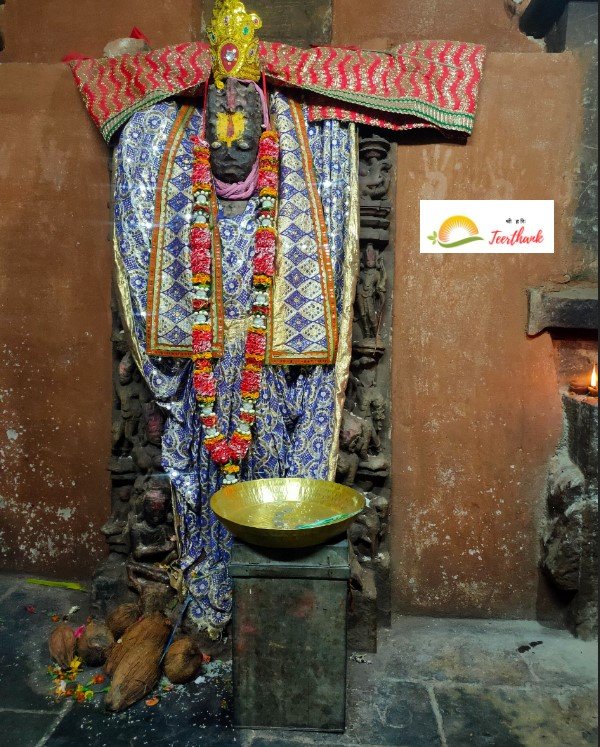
(232, 36)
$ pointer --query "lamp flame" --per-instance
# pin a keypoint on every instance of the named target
(594, 377)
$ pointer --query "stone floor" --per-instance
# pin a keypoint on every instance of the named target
(433, 682)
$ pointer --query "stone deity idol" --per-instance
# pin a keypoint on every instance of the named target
(236, 254)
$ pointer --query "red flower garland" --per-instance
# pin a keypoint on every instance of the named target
(229, 454)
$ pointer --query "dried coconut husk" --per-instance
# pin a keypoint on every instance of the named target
(62, 645)
(136, 675)
(183, 661)
(95, 643)
(154, 629)
(123, 617)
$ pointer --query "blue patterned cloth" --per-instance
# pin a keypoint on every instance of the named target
(293, 434)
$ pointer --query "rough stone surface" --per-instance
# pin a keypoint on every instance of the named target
(301, 22)
(55, 377)
(564, 548)
(478, 414)
(566, 483)
(582, 38)
(389, 22)
(582, 424)
(566, 307)
(47, 30)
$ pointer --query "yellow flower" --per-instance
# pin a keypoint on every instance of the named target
(75, 665)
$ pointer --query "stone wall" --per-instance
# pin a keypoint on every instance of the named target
(477, 413)
(55, 375)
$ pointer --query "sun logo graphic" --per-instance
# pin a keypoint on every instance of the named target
(456, 231)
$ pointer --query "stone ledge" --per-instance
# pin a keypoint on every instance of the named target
(562, 307)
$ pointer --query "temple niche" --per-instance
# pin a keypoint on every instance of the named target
(140, 531)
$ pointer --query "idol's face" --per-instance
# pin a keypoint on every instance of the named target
(233, 129)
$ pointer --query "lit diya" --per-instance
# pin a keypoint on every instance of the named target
(585, 385)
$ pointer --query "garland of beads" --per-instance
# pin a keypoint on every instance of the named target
(228, 454)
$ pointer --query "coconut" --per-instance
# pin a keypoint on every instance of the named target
(94, 644)
(136, 675)
(123, 617)
(183, 661)
(154, 629)
(62, 645)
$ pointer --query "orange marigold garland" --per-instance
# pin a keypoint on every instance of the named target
(228, 454)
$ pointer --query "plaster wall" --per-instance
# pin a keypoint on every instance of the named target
(47, 30)
(476, 410)
(55, 326)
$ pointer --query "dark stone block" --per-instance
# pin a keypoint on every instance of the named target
(26, 729)
(299, 22)
(564, 307)
(110, 586)
(582, 433)
(571, 559)
(362, 615)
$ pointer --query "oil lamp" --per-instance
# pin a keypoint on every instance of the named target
(593, 387)
(585, 384)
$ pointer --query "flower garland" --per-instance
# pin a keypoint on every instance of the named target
(228, 454)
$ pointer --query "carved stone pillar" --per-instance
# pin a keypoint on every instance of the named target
(365, 436)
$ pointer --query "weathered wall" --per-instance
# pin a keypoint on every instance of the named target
(477, 412)
(46, 30)
(55, 367)
(581, 37)
(483, 21)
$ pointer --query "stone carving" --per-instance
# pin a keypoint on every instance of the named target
(151, 533)
(370, 292)
(233, 129)
(140, 532)
(364, 439)
(570, 553)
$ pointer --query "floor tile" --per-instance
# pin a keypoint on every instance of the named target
(528, 717)
(24, 729)
(25, 624)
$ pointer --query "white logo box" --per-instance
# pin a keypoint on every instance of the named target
(487, 227)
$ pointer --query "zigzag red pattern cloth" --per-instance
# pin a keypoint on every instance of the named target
(419, 84)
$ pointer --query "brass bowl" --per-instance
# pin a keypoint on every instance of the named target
(286, 512)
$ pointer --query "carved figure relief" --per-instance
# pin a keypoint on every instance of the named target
(364, 460)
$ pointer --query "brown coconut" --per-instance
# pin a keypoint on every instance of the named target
(136, 675)
(183, 661)
(123, 617)
(95, 643)
(62, 645)
(154, 628)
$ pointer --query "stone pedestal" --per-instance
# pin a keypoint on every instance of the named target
(289, 637)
